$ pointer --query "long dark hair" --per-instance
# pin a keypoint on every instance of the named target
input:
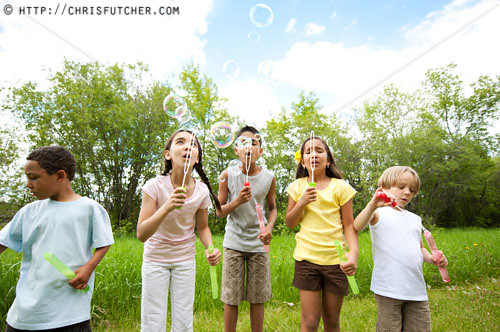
(331, 171)
(198, 166)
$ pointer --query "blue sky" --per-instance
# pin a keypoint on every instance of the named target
(336, 49)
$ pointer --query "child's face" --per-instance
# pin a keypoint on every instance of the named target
(315, 155)
(254, 151)
(405, 189)
(41, 184)
(179, 149)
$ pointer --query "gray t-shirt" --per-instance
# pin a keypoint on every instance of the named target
(242, 227)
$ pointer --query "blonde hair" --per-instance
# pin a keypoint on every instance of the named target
(391, 177)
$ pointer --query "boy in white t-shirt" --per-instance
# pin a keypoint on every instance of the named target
(65, 224)
(398, 253)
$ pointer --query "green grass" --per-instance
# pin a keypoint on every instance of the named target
(471, 302)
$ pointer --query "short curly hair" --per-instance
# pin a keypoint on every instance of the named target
(54, 158)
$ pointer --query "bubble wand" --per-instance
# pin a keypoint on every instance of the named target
(436, 255)
(65, 271)
(213, 275)
(343, 259)
(187, 162)
(311, 164)
(248, 159)
(260, 217)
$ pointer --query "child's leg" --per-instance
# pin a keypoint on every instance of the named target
(257, 316)
(332, 303)
(232, 286)
(258, 287)
(230, 317)
(182, 292)
(416, 316)
(310, 310)
(389, 316)
(335, 288)
(154, 301)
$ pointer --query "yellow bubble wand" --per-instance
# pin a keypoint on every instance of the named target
(65, 271)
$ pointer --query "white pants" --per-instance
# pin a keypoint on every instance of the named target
(156, 281)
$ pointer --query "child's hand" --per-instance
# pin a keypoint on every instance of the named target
(82, 277)
(308, 196)
(349, 267)
(245, 195)
(176, 200)
(266, 237)
(379, 202)
(441, 261)
(214, 257)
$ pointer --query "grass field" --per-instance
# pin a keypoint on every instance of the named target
(471, 302)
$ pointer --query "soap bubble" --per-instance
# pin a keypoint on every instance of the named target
(174, 106)
(185, 117)
(222, 178)
(265, 70)
(254, 37)
(261, 15)
(222, 134)
(231, 69)
(243, 142)
(235, 163)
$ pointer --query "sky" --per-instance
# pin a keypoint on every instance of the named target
(261, 54)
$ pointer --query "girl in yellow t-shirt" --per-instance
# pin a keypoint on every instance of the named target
(324, 212)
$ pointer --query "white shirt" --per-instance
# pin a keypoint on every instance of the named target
(397, 256)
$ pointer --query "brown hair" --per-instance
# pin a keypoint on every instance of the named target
(331, 171)
(198, 166)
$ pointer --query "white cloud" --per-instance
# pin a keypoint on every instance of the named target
(313, 29)
(348, 72)
(165, 43)
(290, 26)
(252, 100)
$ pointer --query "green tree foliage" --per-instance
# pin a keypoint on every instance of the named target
(114, 126)
(443, 134)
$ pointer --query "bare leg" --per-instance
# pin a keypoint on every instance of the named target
(230, 317)
(331, 306)
(310, 310)
(257, 316)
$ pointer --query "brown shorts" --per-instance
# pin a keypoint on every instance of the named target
(313, 277)
(402, 315)
(258, 277)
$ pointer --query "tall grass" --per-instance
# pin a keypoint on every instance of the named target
(469, 302)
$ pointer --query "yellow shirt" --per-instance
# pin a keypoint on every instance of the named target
(321, 222)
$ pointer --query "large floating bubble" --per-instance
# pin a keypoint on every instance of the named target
(186, 117)
(231, 69)
(261, 15)
(265, 70)
(243, 142)
(174, 106)
(222, 134)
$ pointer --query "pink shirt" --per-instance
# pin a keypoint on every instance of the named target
(174, 241)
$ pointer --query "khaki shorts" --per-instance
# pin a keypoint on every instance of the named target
(258, 277)
(402, 315)
(313, 277)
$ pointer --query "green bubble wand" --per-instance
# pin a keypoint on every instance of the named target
(65, 271)
(343, 259)
(213, 275)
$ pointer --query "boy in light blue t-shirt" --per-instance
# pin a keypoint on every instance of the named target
(65, 224)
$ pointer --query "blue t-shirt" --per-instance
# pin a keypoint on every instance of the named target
(69, 230)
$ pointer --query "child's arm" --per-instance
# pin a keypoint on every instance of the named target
(206, 236)
(150, 219)
(368, 215)
(295, 209)
(351, 237)
(273, 213)
(84, 272)
(2, 248)
(244, 196)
